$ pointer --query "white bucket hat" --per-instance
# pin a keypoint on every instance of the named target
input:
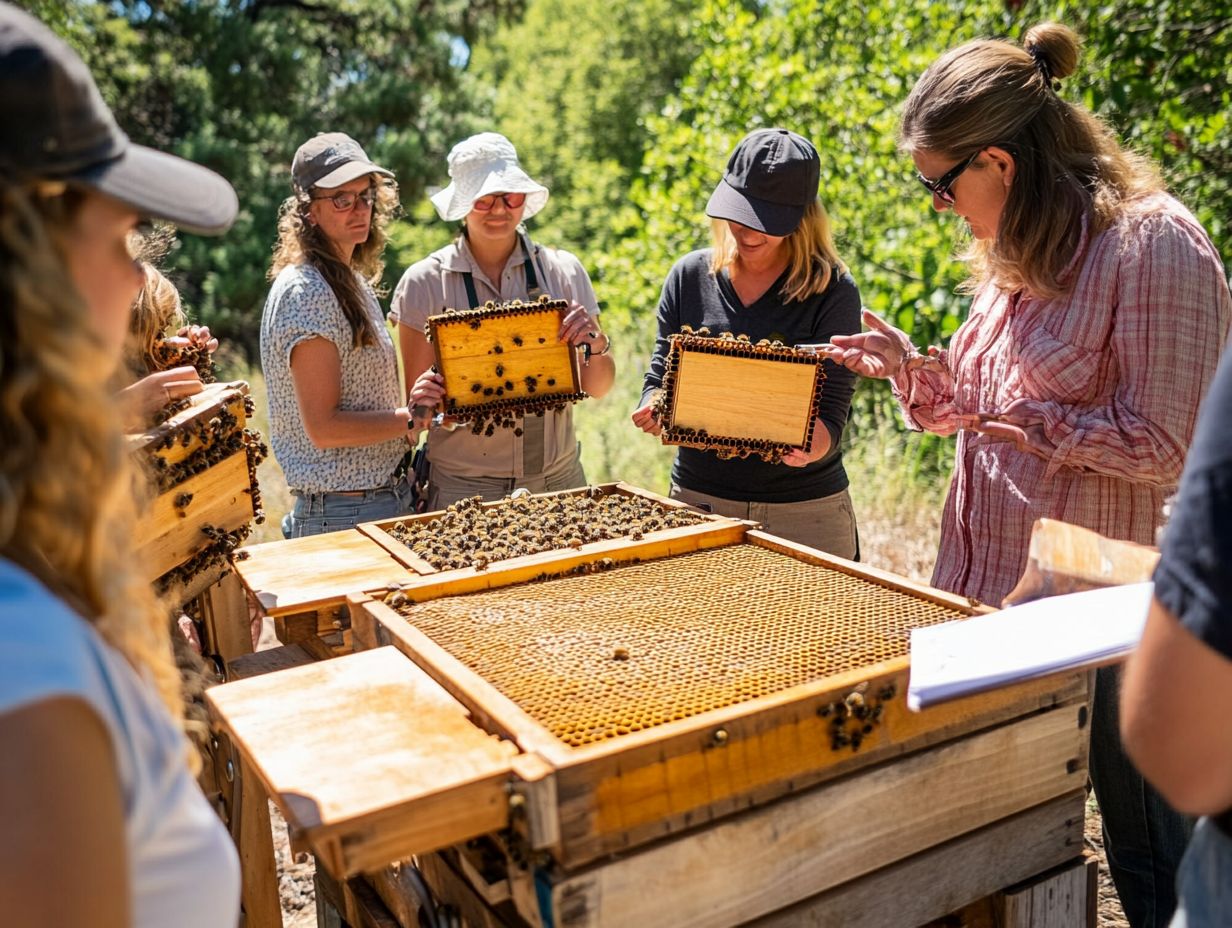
(483, 164)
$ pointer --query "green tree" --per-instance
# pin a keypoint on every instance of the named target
(239, 85)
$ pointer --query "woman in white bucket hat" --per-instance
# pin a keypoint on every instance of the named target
(494, 259)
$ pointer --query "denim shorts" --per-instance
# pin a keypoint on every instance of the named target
(318, 513)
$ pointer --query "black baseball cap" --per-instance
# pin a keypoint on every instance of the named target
(331, 159)
(770, 178)
(57, 127)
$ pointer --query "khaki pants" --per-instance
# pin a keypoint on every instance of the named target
(827, 523)
(445, 489)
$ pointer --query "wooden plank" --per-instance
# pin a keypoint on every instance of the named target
(712, 394)
(834, 833)
(947, 877)
(250, 820)
(1064, 558)
(228, 626)
(666, 543)
(1055, 900)
(268, 661)
(305, 574)
(204, 405)
(452, 889)
(349, 903)
(220, 498)
(389, 766)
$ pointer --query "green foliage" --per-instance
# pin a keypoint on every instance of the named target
(239, 85)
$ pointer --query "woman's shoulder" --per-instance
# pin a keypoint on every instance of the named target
(46, 649)
(692, 265)
(1158, 226)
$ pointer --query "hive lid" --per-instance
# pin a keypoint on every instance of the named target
(367, 757)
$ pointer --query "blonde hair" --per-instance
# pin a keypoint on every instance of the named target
(301, 242)
(156, 311)
(812, 258)
(67, 483)
(1068, 163)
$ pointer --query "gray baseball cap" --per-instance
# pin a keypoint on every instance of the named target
(57, 127)
(331, 159)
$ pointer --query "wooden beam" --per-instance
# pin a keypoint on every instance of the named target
(735, 872)
(947, 877)
(1060, 899)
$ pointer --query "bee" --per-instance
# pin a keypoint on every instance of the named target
(517, 340)
(551, 381)
(500, 370)
(476, 387)
(508, 384)
(498, 348)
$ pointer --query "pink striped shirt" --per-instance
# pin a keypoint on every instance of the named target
(1113, 371)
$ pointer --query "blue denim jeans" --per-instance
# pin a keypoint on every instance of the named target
(1144, 837)
(1205, 883)
(318, 513)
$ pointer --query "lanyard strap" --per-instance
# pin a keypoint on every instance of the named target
(532, 279)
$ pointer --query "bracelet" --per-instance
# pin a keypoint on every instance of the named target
(591, 353)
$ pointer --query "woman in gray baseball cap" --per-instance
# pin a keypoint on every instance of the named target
(338, 426)
(90, 706)
(772, 273)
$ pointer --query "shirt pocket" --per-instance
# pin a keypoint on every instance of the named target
(1048, 368)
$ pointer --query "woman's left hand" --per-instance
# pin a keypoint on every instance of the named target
(579, 327)
(817, 449)
(200, 336)
(1018, 424)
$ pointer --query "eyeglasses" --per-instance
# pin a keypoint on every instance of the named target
(940, 188)
(344, 202)
(511, 201)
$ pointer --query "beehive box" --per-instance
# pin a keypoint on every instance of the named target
(203, 461)
(534, 533)
(738, 398)
(503, 360)
(601, 722)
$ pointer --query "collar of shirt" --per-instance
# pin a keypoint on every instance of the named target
(460, 259)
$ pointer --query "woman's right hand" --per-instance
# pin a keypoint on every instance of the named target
(882, 352)
(647, 420)
(428, 390)
(139, 402)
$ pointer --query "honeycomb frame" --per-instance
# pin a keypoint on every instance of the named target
(735, 444)
(496, 396)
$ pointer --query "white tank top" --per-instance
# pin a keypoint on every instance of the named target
(182, 866)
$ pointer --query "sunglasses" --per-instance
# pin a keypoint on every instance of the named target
(344, 202)
(511, 201)
(940, 188)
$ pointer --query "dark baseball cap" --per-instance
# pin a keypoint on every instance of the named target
(57, 127)
(770, 178)
(331, 159)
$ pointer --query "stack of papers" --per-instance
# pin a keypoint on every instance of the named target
(1025, 642)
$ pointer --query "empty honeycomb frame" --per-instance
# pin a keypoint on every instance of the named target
(739, 398)
(505, 359)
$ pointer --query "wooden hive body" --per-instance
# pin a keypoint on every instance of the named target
(505, 359)
(739, 398)
(204, 464)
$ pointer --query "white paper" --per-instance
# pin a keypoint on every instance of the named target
(1024, 642)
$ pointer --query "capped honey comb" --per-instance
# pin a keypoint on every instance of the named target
(504, 360)
(598, 656)
(739, 398)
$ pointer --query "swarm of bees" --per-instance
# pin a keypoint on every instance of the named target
(212, 555)
(167, 356)
(500, 402)
(854, 717)
(734, 346)
(470, 534)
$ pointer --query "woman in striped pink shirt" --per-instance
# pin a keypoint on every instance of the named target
(1100, 309)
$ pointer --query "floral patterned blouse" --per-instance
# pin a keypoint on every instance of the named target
(1113, 371)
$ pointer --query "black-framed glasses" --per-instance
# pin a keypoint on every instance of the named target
(511, 201)
(346, 201)
(940, 188)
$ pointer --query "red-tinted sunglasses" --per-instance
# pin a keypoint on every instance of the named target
(511, 201)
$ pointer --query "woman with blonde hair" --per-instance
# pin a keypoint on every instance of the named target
(95, 779)
(337, 423)
(1100, 309)
(772, 273)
